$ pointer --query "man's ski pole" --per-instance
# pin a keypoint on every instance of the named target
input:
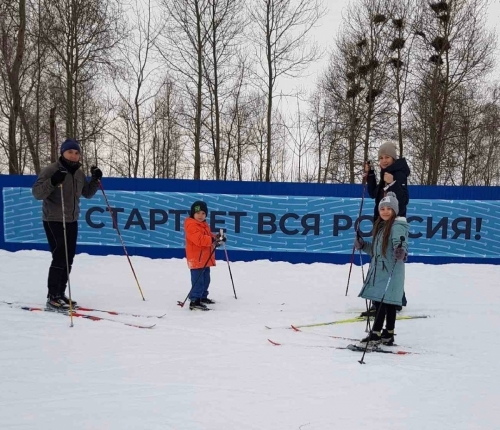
(67, 258)
(115, 225)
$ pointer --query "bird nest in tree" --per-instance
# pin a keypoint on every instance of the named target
(439, 7)
(354, 91)
(436, 59)
(372, 94)
(362, 43)
(396, 63)
(440, 44)
(397, 43)
(363, 69)
(354, 60)
(444, 18)
(398, 23)
(379, 18)
(350, 76)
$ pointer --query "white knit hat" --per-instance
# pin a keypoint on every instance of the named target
(388, 149)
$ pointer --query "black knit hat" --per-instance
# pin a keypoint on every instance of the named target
(197, 207)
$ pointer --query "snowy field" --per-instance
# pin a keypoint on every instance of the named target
(217, 371)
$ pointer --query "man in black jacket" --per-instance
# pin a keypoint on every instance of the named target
(64, 176)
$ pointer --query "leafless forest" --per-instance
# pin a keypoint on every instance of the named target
(190, 88)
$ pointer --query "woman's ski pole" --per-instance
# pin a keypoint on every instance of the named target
(357, 232)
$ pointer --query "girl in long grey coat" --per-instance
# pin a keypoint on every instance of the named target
(388, 250)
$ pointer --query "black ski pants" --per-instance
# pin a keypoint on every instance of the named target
(58, 274)
(387, 312)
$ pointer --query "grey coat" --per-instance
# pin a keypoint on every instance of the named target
(381, 267)
(74, 186)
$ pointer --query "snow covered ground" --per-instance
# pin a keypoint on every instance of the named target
(217, 371)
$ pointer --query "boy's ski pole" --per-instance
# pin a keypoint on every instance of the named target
(227, 259)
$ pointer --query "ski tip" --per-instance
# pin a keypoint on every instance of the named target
(147, 326)
(272, 342)
(266, 326)
(294, 328)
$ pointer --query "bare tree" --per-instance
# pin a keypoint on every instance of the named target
(136, 84)
(13, 61)
(82, 35)
(236, 126)
(224, 27)
(168, 148)
(457, 51)
(319, 117)
(490, 151)
(404, 15)
(343, 90)
(182, 47)
(281, 38)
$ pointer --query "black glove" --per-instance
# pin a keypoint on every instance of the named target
(218, 240)
(221, 238)
(96, 173)
(59, 176)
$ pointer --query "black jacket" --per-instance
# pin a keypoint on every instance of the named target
(400, 171)
(75, 185)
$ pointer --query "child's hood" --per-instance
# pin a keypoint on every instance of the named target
(399, 165)
(401, 225)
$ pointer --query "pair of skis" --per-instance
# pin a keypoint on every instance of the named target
(352, 347)
(347, 321)
(79, 312)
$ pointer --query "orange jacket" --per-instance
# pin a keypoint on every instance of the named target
(198, 244)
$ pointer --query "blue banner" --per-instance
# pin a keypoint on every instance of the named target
(269, 223)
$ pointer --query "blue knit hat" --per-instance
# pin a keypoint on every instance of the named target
(70, 144)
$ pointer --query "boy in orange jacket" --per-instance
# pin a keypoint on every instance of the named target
(200, 254)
